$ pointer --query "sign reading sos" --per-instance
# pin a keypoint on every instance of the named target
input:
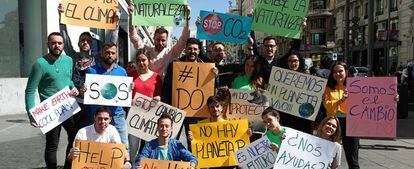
(212, 24)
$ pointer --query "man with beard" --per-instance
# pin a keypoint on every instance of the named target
(164, 147)
(160, 55)
(226, 72)
(100, 131)
(50, 74)
(108, 66)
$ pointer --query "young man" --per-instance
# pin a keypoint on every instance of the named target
(50, 74)
(100, 131)
(164, 147)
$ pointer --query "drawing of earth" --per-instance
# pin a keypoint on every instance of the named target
(306, 110)
(109, 91)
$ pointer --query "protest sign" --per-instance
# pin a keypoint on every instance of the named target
(224, 27)
(147, 163)
(371, 105)
(283, 18)
(246, 104)
(159, 13)
(296, 93)
(192, 84)
(143, 116)
(55, 110)
(108, 90)
(215, 143)
(301, 150)
(90, 13)
(99, 155)
(256, 155)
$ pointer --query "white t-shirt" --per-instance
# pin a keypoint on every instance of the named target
(110, 135)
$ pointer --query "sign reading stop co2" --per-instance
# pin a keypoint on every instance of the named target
(224, 27)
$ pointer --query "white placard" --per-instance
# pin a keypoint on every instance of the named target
(301, 150)
(296, 93)
(55, 110)
(246, 104)
(108, 90)
(256, 155)
(143, 116)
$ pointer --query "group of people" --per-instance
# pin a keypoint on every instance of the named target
(152, 74)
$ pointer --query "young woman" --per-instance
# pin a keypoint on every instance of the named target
(295, 62)
(250, 78)
(330, 129)
(275, 132)
(147, 83)
(335, 103)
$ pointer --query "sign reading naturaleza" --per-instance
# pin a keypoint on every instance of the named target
(256, 155)
(55, 110)
(159, 13)
(143, 116)
(301, 150)
(296, 93)
(108, 90)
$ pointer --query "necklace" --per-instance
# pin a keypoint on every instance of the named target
(54, 63)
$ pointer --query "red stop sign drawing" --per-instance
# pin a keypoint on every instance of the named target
(212, 24)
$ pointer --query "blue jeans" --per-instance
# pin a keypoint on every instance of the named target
(119, 122)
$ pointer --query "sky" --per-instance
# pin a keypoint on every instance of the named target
(207, 5)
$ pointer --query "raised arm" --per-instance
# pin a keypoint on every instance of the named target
(180, 45)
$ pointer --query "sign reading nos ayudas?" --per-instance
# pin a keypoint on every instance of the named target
(55, 110)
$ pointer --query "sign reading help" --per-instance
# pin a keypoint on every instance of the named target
(192, 84)
(224, 27)
(90, 13)
(55, 110)
(215, 143)
(296, 93)
(256, 155)
(99, 155)
(282, 17)
(159, 13)
(301, 150)
(144, 114)
(147, 163)
(371, 105)
(108, 90)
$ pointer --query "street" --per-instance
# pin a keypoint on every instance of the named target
(22, 146)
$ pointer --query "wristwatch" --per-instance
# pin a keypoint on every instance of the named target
(188, 17)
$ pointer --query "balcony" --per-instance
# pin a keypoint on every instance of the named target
(319, 12)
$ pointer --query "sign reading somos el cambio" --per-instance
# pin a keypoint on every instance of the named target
(296, 93)
(143, 116)
(108, 90)
(55, 110)
(301, 150)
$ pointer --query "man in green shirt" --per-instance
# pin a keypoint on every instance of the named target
(50, 74)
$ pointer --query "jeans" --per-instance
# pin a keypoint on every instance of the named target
(83, 118)
(134, 146)
(119, 122)
(52, 142)
(351, 146)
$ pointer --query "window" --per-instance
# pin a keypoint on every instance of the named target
(9, 32)
(379, 7)
(318, 23)
(318, 39)
(393, 5)
(356, 11)
(318, 4)
(365, 10)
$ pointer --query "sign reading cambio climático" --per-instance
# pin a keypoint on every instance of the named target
(108, 90)
(55, 110)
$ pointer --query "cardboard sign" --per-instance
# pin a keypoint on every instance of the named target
(144, 114)
(371, 105)
(90, 13)
(192, 84)
(247, 104)
(99, 155)
(256, 155)
(296, 93)
(108, 90)
(224, 27)
(301, 150)
(215, 143)
(147, 163)
(55, 110)
(283, 18)
(159, 13)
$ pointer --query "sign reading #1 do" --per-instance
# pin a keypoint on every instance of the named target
(108, 90)
(224, 27)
